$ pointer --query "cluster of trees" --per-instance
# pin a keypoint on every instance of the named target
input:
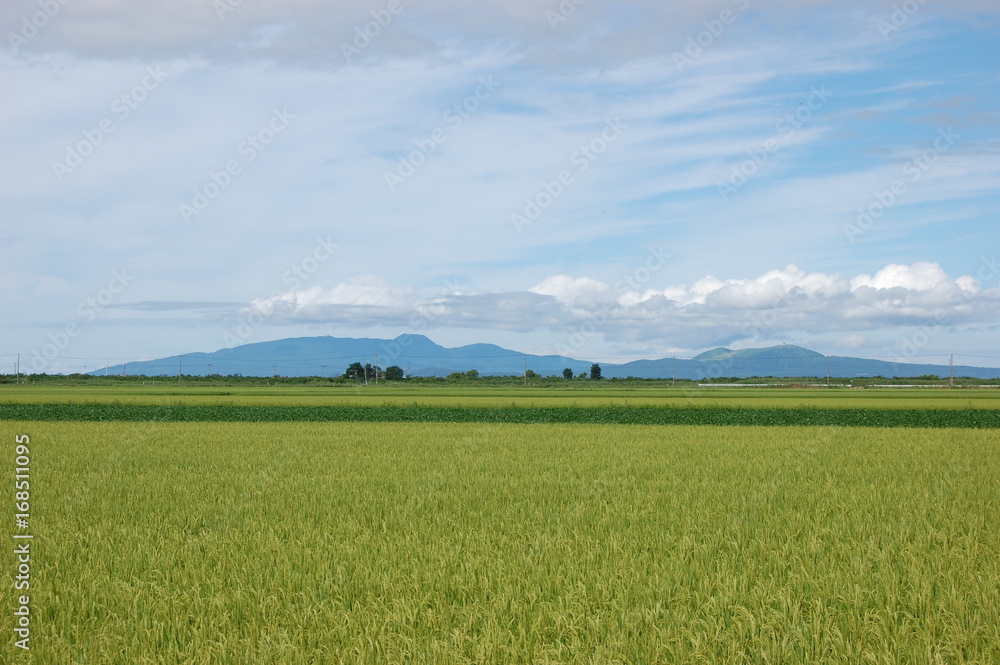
(595, 373)
(367, 372)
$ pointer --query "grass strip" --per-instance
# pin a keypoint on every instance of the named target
(611, 415)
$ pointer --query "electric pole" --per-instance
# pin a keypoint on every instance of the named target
(376, 369)
(951, 370)
(17, 370)
(673, 380)
(525, 369)
(828, 371)
(180, 366)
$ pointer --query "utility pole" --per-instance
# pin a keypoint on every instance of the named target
(125, 369)
(323, 367)
(17, 370)
(525, 369)
(180, 366)
(376, 369)
(210, 369)
(828, 371)
(951, 370)
(366, 370)
(673, 380)
(274, 370)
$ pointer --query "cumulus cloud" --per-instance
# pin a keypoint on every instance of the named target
(365, 298)
(758, 292)
(919, 277)
(574, 291)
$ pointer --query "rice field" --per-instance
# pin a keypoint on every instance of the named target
(220, 542)
(168, 393)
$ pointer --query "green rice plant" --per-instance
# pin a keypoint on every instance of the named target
(620, 415)
(510, 543)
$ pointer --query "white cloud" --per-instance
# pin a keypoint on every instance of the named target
(368, 293)
(574, 291)
(785, 303)
(918, 277)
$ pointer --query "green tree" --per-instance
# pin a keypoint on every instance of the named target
(472, 374)
(362, 372)
(567, 374)
(394, 373)
(595, 371)
(532, 374)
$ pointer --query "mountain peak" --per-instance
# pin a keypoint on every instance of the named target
(777, 352)
(712, 354)
(413, 339)
(786, 351)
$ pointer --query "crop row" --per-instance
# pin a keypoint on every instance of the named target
(609, 415)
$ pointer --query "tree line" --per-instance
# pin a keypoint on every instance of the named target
(368, 372)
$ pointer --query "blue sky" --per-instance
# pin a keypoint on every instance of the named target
(610, 181)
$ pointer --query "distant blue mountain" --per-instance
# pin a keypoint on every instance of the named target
(420, 356)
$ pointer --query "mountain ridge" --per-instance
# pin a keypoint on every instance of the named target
(418, 355)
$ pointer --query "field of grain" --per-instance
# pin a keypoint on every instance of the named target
(476, 543)
(167, 393)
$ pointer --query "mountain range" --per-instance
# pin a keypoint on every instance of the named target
(420, 356)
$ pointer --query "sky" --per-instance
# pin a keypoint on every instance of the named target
(607, 181)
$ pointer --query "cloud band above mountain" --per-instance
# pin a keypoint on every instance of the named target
(708, 311)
